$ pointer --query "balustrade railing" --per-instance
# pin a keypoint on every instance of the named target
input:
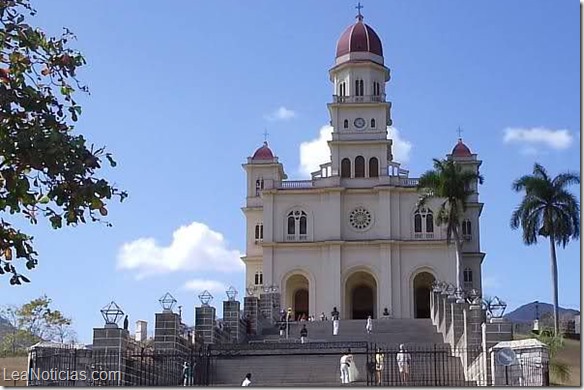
(359, 99)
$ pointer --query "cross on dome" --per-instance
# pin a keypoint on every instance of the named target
(359, 6)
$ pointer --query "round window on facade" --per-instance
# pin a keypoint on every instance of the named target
(360, 218)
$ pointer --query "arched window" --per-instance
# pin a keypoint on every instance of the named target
(429, 222)
(259, 278)
(346, 168)
(376, 89)
(358, 87)
(417, 223)
(359, 166)
(423, 224)
(467, 275)
(373, 167)
(259, 185)
(346, 124)
(297, 226)
(259, 232)
(466, 229)
(291, 224)
(372, 123)
(342, 89)
(303, 224)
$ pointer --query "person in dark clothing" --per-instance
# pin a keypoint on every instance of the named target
(303, 334)
(126, 323)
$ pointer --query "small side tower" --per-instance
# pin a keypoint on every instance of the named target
(264, 172)
(472, 256)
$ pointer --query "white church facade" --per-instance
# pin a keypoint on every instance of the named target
(351, 237)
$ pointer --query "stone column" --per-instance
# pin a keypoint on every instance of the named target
(457, 323)
(251, 314)
(231, 318)
(205, 323)
(448, 320)
(110, 352)
(442, 328)
(270, 306)
(167, 332)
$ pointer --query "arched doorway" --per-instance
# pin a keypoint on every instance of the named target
(301, 303)
(297, 296)
(422, 287)
(360, 295)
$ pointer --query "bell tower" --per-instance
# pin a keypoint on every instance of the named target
(359, 111)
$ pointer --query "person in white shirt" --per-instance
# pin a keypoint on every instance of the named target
(247, 380)
(345, 363)
(369, 325)
(404, 361)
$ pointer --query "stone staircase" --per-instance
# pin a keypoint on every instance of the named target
(276, 361)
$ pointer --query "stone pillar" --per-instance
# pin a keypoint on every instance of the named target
(472, 320)
(168, 334)
(442, 325)
(448, 320)
(231, 318)
(205, 323)
(251, 314)
(270, 306)
(432, 304)
(497, 330)
(110, 352)
(457, 323)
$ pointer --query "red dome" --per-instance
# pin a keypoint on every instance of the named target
(359, 37)
(461, 150)
(263, 153)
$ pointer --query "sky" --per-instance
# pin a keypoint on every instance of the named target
(182, 92)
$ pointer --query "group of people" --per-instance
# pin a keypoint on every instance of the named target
(350, 373)
(403, 360)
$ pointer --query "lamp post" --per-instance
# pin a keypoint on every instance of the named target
(112, 314)
(205, 297)
(167, 302)
(497, 309)
(231, 293)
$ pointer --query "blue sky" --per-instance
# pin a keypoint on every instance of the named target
(182, 92)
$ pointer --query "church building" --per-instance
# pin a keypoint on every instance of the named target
(352, 237)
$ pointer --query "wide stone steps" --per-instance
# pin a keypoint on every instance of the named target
(317, 362)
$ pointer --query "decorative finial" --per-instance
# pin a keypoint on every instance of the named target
(459, 133)
(266, 136)
(359, 6)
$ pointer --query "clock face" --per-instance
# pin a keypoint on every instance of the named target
(359, 123)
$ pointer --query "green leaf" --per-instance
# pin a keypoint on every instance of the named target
(44, 199)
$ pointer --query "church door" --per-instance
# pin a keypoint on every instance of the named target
(362, 299)
(301, 303)
(422, 287)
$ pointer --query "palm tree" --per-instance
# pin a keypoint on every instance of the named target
(453, 185)
(549, 210)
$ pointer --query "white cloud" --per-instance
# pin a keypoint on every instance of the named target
(199, 285)
(531, 138)
(193, 248)
(316, 152)
(401, 148)
(281, 114)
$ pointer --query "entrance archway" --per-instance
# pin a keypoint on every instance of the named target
(301, 303)
(297, 296)
(360, 295)
(422, 287)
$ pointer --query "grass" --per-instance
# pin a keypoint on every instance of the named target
(10, 364)
(569, 355)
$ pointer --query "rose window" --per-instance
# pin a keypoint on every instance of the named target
(360, 218)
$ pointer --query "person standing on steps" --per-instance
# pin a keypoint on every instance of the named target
(369, 325)
(303, 334)
(335, 316)
(345, 363)
(378, 366)
(247, 380)
(404, 361)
